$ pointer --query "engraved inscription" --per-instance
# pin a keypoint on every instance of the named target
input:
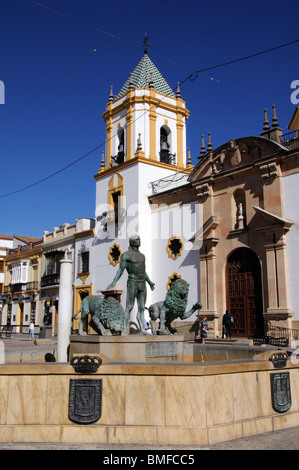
(167, 349)
(281, 391)
(85, 400)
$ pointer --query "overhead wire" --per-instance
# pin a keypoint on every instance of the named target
(84, 59)
(192, 77)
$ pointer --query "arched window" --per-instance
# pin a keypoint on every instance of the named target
(165, 135)
(121, 145)
(120, 156)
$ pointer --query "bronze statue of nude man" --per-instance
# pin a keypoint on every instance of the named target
(134, 263)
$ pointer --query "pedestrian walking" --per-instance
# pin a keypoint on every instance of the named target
(204, 330)
(227, 322)
(223, 329)
(31, 330)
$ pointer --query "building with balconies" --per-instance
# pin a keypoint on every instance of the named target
(55, 244)
(6, 242)
(21, 286)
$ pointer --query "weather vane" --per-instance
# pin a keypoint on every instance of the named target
(145, 45)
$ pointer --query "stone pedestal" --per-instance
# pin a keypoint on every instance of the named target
(131, 348)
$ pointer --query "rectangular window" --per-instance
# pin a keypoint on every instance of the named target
(9, 309)
(115, 198)
(85, 261)
(32, 311)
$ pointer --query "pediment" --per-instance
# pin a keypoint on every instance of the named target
(272, 219)
(234, 155)
(205, 231)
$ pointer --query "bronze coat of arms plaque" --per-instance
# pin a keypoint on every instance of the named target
(281, 391)
(85, 400)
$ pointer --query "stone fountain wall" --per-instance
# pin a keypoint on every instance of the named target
(167, 404)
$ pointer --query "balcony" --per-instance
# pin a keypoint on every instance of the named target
(21, 287)
(50, 280)
(291, 140)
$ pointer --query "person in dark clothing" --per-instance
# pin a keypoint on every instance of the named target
(227, 323)
(204, 330)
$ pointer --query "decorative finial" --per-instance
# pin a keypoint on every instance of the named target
(203, 147)
(178, 91)
(266, 122)
(103, 160)
(131, 86)
(139, 143)
(111, 94)
(151, 83)
(145, 45)
(274, 119)
(209, 146)
(189, 159)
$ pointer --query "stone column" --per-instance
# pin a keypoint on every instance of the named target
(64, 309)
(208, 282)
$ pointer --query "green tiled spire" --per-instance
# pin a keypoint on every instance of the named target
(146, 75)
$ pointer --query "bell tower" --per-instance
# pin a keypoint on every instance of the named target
(146, 120)
(145, 142)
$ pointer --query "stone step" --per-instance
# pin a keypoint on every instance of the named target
(216, 340)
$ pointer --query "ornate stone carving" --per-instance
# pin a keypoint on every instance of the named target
(203, 190)
(234, 154)
(269, 170)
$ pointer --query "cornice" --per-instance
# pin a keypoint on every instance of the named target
(84, 233)
(132, 98)
(139, 159)
(24, 254)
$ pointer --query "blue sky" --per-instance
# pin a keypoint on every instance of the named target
(56, 87)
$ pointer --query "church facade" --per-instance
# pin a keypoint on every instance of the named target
(228, 226)
(248, 188)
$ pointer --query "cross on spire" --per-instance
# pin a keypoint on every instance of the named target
(145, 44)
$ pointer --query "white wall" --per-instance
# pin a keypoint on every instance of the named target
(183, 221)
(139, 219)
(290, 186)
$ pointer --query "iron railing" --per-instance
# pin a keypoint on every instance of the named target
(275, 336)
(20, 287)
(291, 139)
(50, 280)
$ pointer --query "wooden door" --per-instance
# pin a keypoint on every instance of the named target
(21, 309)
(244, 292)
(80, 294)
